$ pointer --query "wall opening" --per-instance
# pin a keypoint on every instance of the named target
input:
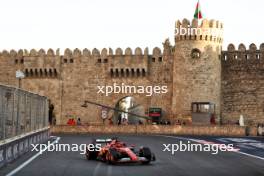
(128, 104)
(52, 119)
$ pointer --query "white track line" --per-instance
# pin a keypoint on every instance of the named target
(109, 170)
(254, 156)
(13, 172)
(183, 138)
(96, 170)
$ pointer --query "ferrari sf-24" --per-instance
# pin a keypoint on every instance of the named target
(113, 151)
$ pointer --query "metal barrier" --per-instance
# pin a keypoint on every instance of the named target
(23, 121)
(21, 112)
(12, 148)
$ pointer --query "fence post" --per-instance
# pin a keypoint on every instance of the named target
(2, 116)
(18, 114)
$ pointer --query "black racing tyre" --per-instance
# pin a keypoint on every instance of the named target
(145, 152)
(112, 156)
(91, 155)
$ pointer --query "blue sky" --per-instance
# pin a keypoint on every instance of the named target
(119, 23)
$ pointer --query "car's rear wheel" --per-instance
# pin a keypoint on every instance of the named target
(146, 153)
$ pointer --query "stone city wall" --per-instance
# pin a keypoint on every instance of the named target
(243, 83)
(70, 79)
(157, 129)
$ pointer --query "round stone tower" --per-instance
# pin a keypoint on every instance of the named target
(197, 65)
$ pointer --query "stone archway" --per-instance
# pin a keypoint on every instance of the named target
(128, 104)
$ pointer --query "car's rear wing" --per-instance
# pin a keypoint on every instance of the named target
(103, 140)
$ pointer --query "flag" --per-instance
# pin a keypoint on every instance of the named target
(198, 13)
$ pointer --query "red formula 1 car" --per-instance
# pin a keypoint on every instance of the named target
(114, 151)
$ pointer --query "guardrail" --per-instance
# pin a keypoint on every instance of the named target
(12, 148)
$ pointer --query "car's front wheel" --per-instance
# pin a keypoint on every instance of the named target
(146, 153)
(90, 155)
(112, 156)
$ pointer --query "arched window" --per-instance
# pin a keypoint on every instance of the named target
(117, 73)
(45, 72)
(138, 72)
(40, 73)
(132, 72)
(50, 73)
(122, 72)
(26, 72)
(111, 72)
(36, 72)
(127, 72)
(55, 72)
(31, 72)
(143, 72)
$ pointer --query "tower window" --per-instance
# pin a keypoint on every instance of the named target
(160, 59)
(65, 60)
(99, 60)
(71, 60)
(105, 60)
(153, 59)
(196, 53)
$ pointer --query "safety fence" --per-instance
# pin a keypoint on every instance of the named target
(23, 121)
(21, 112)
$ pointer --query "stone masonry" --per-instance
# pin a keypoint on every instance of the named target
(194, 69)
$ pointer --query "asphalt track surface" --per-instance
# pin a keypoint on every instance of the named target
(179, 164)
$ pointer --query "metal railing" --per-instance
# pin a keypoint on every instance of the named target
(21, 112)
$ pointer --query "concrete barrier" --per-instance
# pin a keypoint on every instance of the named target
(158, 129)
(12, 148)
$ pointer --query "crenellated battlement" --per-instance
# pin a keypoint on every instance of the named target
(79, 53)
(252, 53)
(110, 52)
(118, 63)
(208, 30)
(31, 53)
